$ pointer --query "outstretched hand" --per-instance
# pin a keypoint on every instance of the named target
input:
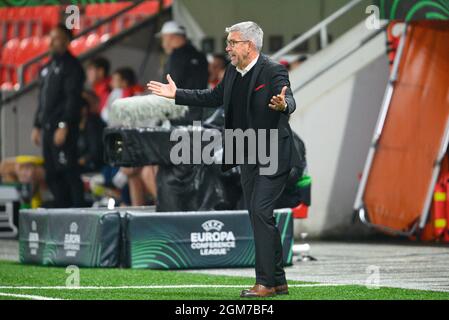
(164, 90)
(278, 102)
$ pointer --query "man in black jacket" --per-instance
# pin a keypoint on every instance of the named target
(187, 66)
(256, 95)
(56, 123)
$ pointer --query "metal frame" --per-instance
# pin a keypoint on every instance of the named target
(359, 205)
(435, 174)
(320, 28)
(340, 58)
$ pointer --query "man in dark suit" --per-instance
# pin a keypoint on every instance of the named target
(56, 122)
(256, 95)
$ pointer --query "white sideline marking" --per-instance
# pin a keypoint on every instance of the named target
(161, 286)
(26, 296)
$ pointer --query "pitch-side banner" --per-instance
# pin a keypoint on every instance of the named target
(409, 10)
(197, 239)
(62, 237)
(142, 238)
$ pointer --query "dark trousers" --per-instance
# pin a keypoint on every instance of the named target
(260, 194)
(62, 173)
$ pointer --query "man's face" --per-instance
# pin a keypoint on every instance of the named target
(238, 51)
(117, 81)
(167, 43)
(94, 74)
(58, 41)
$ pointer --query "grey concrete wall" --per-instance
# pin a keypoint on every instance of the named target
(276, 17)
(337, 128)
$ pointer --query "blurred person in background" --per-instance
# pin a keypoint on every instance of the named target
(56, 122)
(90, 141)
(217, 67)
(141, 183)
(124, 84)
(186, 65)
(141, 180)
(294, 63)
(99, 80)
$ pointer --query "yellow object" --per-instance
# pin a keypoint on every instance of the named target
(440, 223)
(37, 160)
(439, 196)
(36, 201)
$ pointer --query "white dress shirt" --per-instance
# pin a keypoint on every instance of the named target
(248, 67)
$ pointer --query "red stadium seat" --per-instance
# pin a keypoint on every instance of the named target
(10, 13)
(26, 18)
(167, 3)
(3, 14)
(92, 41)
(7, 86)
(10, 30)
(3, 73)
(33, 47)
(128, 21)
(146, 8)
(92, 10)
(13, 73)
(105, 37)
(23, 51)
(42, 45)
(112, 8)
(78, 46)
(9, 51)
(50, 16)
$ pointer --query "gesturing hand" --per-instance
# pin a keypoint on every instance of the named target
(278, 102)
(163, 90)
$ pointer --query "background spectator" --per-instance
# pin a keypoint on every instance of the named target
(123, 85)
(99, 79)
(185, 64)
(90, 141)
(217, 67)
(58, 116)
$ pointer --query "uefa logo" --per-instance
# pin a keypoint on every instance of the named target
(212, 225)
(73, 227)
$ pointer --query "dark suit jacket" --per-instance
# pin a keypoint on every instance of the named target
(267, 80)
(188, 68)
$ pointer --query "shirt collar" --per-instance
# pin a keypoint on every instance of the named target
(248, 67)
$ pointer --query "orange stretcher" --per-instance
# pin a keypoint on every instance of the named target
(411, 136)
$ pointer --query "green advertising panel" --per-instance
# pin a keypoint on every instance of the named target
(182, 240)
(82, 237)
(143, 238)
(414, 9)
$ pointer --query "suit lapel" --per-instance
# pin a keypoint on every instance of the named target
(228, 88)
(257, 68)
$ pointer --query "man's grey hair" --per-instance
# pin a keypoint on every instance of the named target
(250, 31)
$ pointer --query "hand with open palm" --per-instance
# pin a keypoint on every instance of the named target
(163, 90)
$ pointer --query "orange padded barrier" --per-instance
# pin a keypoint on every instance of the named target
(400, 176)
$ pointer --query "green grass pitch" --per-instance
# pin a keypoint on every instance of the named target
(155, 284)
